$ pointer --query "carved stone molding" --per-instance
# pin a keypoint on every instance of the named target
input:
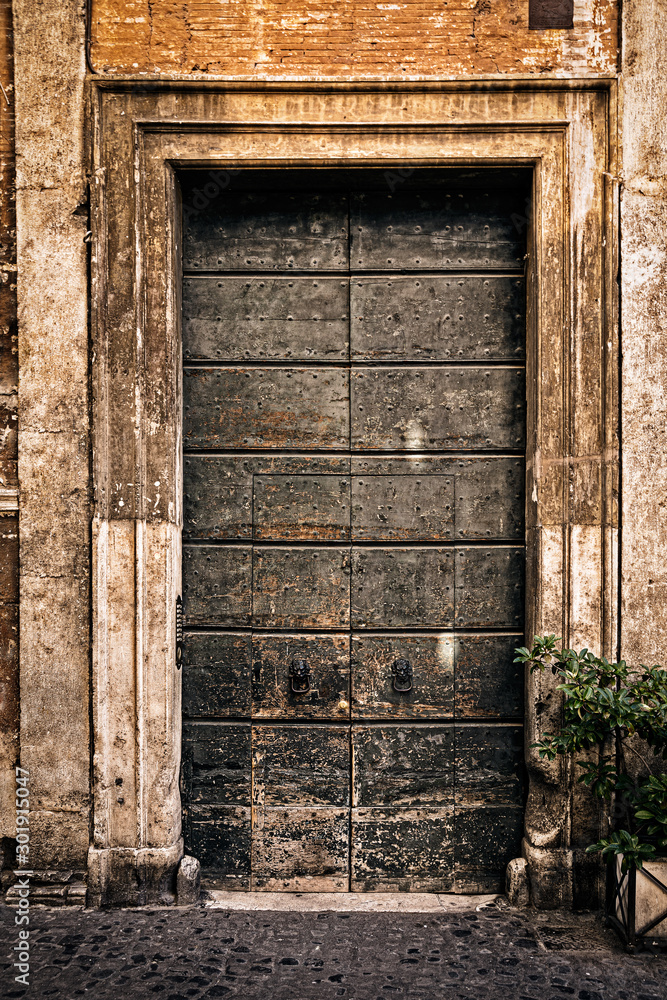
(143, 134)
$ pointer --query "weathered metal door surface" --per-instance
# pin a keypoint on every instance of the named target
(353, 558)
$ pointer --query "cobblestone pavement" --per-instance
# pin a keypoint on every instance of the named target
(496, 952)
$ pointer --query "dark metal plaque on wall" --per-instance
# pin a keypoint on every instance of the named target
(550, 14)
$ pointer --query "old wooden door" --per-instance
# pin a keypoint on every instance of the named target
(353, 557)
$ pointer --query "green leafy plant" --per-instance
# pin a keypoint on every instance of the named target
(607, 707)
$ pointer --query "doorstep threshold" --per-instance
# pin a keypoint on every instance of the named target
(349, 902)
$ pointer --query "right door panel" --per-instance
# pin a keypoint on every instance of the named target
(437, 432)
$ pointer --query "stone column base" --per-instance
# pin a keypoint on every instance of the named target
(125, 876)
(550, 870)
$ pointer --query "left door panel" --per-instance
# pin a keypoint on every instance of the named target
(266, 541)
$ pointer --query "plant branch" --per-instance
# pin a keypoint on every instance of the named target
(627, 746)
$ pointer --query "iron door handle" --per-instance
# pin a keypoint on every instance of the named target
(402, 676)
(299, 673)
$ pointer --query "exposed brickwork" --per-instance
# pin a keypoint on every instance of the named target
(9, 686)
(347, 38)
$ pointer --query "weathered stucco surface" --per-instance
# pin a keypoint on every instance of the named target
(9, 675)
(347, 38)
(644, 334)
(53, 440)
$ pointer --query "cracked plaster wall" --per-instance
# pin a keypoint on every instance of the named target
(51, 166)
(644, 334)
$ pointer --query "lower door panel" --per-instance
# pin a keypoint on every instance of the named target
(300, 807)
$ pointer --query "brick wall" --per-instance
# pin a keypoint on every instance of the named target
(347, 38)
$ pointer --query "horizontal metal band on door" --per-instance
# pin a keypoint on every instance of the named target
(455, 675)
(286, 498)
(358, 587)
(365, 231)
(331, 319)
(336, 408)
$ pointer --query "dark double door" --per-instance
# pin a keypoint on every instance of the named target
(353, 540)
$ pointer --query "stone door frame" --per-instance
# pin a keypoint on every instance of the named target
(143, 133)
